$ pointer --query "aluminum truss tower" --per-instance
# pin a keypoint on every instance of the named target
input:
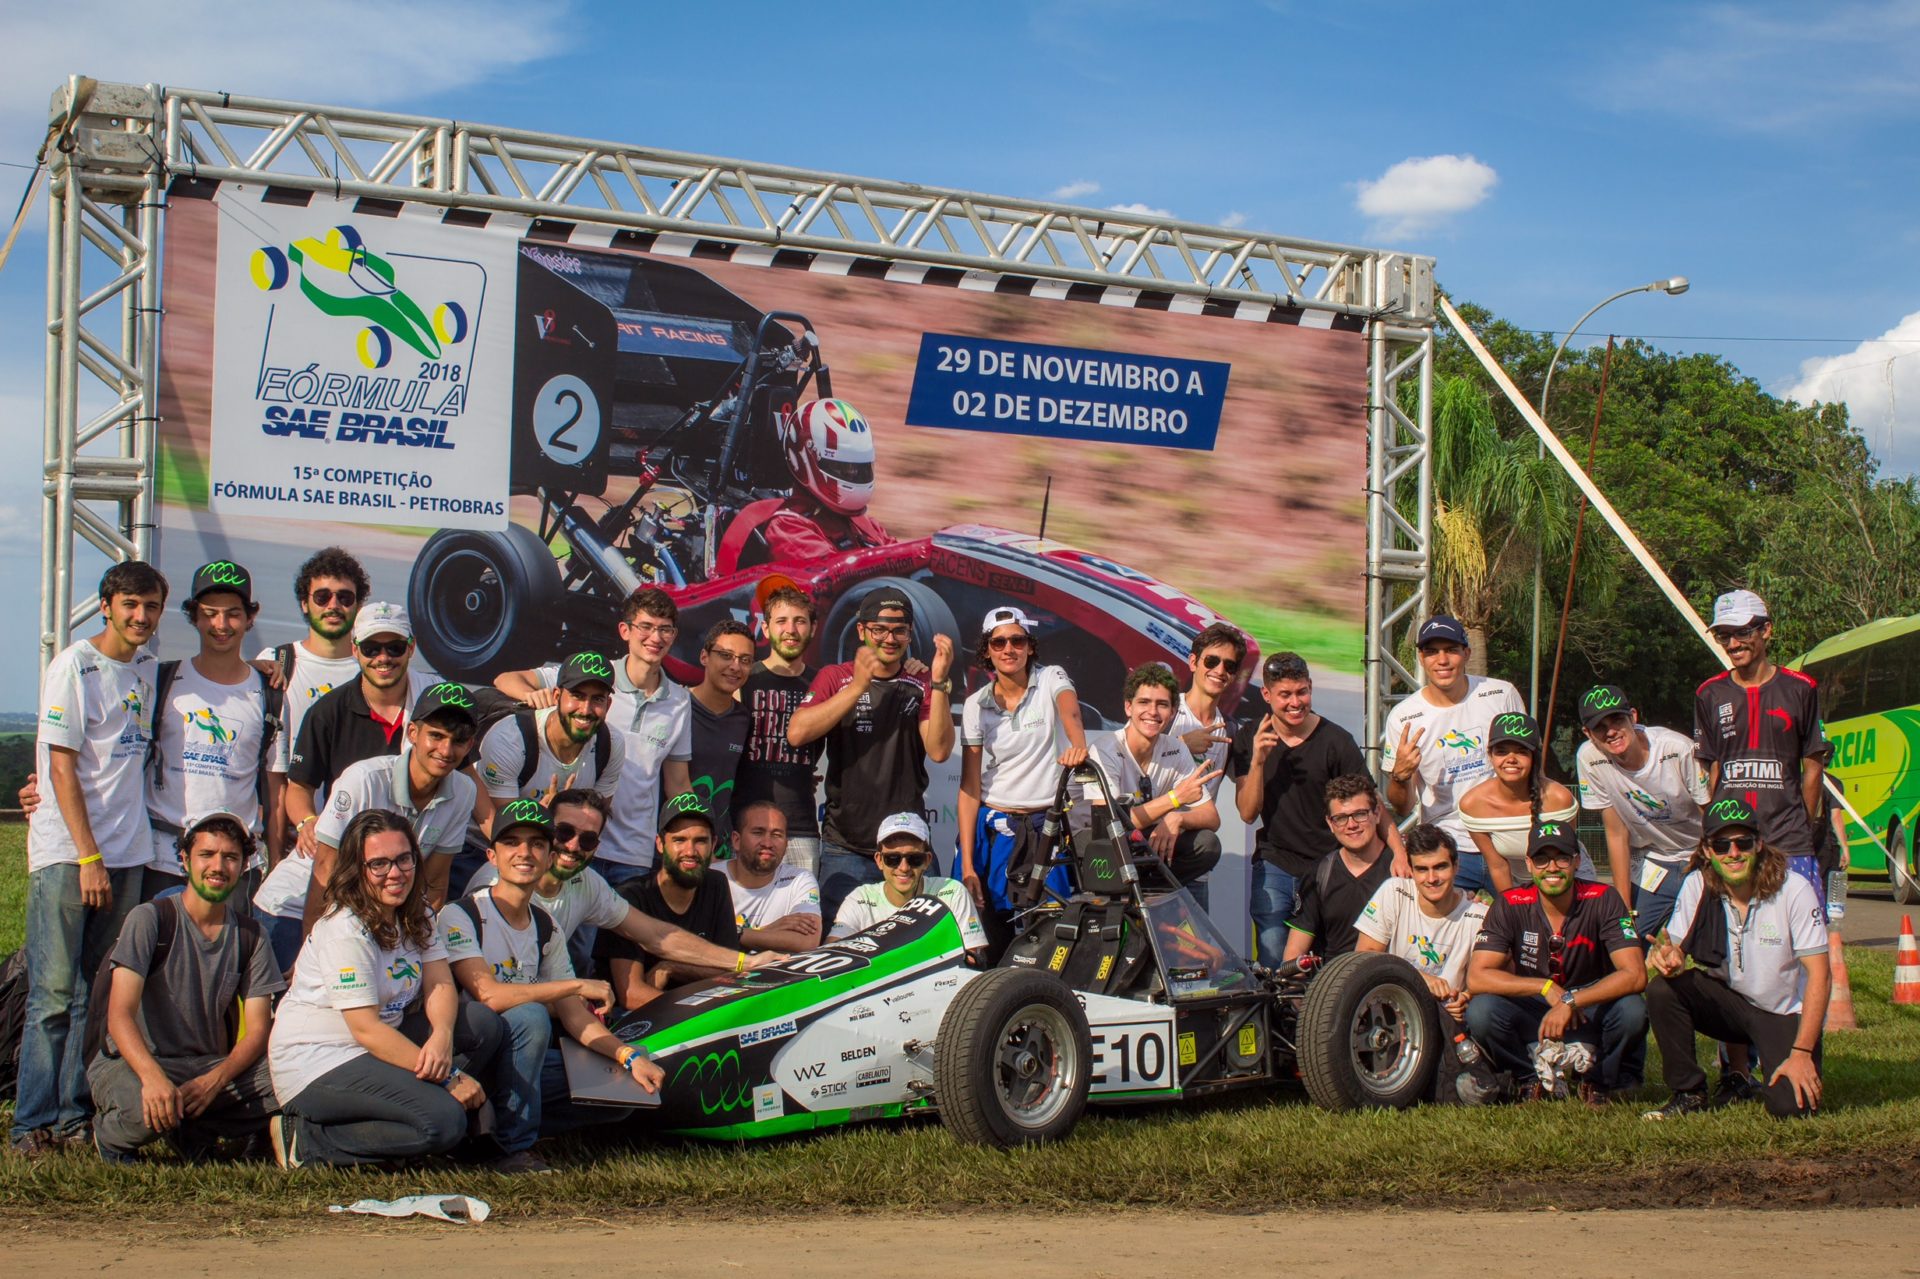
(121, 145)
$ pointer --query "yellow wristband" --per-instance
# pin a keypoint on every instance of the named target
(739, 962)
(1173, 799)
(625, 1056)
(1546, 986)
(88, 861)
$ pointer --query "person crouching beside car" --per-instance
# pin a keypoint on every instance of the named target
(906, 850)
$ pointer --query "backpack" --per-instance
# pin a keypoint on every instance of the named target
(13, 1019)
(490, 706)
(272, 717)
(94, 1041)
(542, 922)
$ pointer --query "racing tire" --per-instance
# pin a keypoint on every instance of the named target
(483, 602)
(931, 616)
(1013, 1061)
(1900, 868)
(1369, 1034)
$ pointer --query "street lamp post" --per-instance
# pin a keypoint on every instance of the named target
(1673, 287)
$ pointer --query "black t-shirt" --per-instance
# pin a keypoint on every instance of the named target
(719, 744)
(338, 732)
(772, 769)
(876, 762)
(1597, 925)
(1759, 736)
(709, 917)
(1293, 812)
(1332, 897)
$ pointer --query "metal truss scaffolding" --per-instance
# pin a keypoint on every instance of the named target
(122, 145)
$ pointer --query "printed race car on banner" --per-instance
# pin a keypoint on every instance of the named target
(1123, 992)
(635, 367)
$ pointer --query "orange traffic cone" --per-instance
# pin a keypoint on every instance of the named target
(1840, 1003)
(1906, 966)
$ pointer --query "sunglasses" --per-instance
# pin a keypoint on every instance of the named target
(1213, 661)
(568, 833)
(324, 596)
(912, 861)
(388, 648)
(381, 867)
(1000, 643)
(1733, 843)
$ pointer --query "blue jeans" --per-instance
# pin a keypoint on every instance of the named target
(1507, 1028)
(618, 873)
(841, 871)
(284, 935)
(65, 944)
(1653, 907)
(580, 946)
(1272, 899)
(523, 1056)
(1472, 875)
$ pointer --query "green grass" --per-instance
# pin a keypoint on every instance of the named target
(183, 478)
(13, 886)
(1328, 643)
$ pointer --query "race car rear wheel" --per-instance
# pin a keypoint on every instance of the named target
(1012, 1063)
(1369, 1034)
(481, 602)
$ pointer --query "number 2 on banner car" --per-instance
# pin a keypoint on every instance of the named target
(1130, 1055)
(566, 420)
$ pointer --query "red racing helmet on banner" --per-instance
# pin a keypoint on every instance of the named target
(829, 446)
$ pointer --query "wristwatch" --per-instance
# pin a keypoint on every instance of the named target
(1566, 997)
(941, 686)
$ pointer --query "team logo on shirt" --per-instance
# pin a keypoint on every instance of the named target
(1455, 740)
(509, 971)
(1650, 803)
(318, 691)
(208, 722)
(403, 969)
(1428, 951)
(135, 704)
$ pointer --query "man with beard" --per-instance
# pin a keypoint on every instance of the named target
(775, 769)
(185, 1052)
(566, 746)
(1757, 939)
(721, 724)
(683, 890)
(775, 903)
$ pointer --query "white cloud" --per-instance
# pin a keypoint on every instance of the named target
(1144, 210)
(1076, 190)
(1879, 382)
(1234, 219)
(1421, 191)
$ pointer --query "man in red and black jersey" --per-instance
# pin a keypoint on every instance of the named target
(1757, 730)
(1558, 959)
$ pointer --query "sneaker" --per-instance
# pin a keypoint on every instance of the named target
(37, 1144)
(1733, 1088)
(113, 1156)
(520, 1162)
(80, 1138)
(280, 1132)
(1683, 1103)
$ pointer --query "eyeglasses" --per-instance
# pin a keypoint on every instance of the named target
(1729, 635)
(1734, 844)
(1552, 856)
(1350, 819)
(390, 648)
(730, 659)
(568, 833)
(1214, 661)
(381, 867)
(882, 630)
(648, 628)
(1000, 643)
(323, 596)
(912, 861)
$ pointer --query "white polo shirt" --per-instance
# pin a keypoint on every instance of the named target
(654, 729)
(1763, 957)
(868, 904)
(1131, 784)
(503, 753)
(1019, 748)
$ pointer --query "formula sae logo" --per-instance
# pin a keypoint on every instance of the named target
(341, 277)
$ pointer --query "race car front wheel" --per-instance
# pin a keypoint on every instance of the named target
(1369, 1034)
(1011, 1065)
(483, 602)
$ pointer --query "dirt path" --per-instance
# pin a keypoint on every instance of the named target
(1875, 1243)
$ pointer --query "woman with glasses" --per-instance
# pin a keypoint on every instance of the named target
(373, 1050)
(1500, 811)
(904, 857)
(1016, 733)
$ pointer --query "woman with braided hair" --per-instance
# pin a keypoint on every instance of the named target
(1501, 811)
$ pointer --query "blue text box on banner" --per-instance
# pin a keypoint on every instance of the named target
(1066, 392)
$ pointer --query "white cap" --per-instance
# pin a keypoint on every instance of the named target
(904, 824)
(1005, 616)
(1739, 608)
(380, 618)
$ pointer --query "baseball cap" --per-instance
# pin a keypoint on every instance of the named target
(904, 824)
(1724, 812)
(381, 618)
(1005, 616)
(885, 600)
(1557, 835)
(520, 812)
(1601, 701)
(1514, 726)
(1738, 609)
(584, 668)
(222, 575)
(686, 806)
(195, 825)
(1441, 627)
(445, 696)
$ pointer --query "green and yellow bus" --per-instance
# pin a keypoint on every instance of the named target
(1870, 695)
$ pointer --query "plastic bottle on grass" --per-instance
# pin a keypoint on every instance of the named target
(1836, 897)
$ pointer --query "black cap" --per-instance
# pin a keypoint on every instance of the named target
(1558, 835)
(686, 806)
(1725, 812)
(449, 697)
(1601, 701)
(885, 600)
(222, 575)
(1441, 627)
(1514, 726)
(520, 812)
(585, 668)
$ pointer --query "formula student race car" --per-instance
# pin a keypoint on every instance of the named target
(633, 367)
(1123, 992)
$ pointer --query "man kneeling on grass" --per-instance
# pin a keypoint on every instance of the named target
(507, 953)
(1750, 967)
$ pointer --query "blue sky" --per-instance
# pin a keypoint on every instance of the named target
(1545, 155)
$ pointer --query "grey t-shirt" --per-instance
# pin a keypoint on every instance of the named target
(184, 1006)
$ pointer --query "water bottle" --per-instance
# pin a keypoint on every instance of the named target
(1836, 897)
(1467, 1051)
(1476, 1084)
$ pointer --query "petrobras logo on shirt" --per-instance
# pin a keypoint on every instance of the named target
(455, 937)
(492, 772)
(1372, 911)
(813, 897)
(56, 715)
(348, 979)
